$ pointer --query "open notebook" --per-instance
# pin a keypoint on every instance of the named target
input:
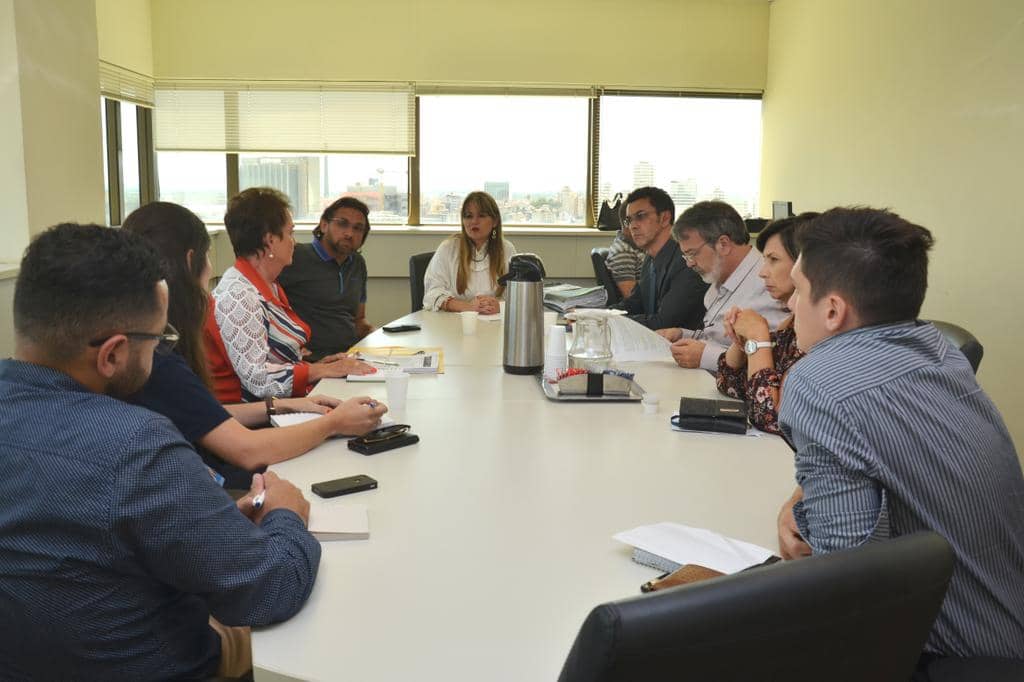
(293, 418)
(331, 521)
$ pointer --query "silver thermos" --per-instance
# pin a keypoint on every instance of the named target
(524, 315)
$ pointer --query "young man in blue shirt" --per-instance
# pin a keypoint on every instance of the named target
(120, 557)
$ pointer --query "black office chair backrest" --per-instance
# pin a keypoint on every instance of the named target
(598, 258)
(417, 268)
(861, 614)
(962, 339)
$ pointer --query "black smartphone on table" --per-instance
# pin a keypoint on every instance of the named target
(344, 486)
(393, 328)
(383, 439)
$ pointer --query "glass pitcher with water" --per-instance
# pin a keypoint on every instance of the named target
(592, 343)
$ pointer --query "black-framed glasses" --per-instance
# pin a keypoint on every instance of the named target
(639, 215)
(385, 433)
(165, 343)
(344, 224)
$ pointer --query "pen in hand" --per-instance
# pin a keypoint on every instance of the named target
(257, 502)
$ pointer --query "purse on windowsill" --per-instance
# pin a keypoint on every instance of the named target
(721, 416)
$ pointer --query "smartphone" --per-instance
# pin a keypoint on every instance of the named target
(344, 486)
(401, 328)
(372, 447)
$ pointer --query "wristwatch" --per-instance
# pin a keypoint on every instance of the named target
(751, 346)
(271, 409)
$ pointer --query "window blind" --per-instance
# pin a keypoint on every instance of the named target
(299, 117)
(119, 83)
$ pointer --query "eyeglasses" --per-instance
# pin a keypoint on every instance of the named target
(691, 256)
(630, 219)
(385, 433)
(344, 224)
(165, 343)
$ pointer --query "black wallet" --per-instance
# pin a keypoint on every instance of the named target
(372, 447)
(701, 414)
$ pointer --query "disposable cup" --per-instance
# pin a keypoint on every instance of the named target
(555, 340)
(501, 308)
(469, 318)
(550, 318)
(397, 385)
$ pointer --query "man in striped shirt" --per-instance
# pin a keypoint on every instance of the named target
(892, 433)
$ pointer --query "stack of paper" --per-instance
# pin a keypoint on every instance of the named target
(293, 418)
(563, 297)
(681, 544)
(395, 358)
(331, 521)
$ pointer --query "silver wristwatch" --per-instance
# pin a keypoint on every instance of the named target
(751, 346)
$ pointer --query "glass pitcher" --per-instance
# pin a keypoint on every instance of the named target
(591, 345)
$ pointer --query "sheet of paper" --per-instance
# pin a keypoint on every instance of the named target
(375, 378)
(751, 431)
(294, 418)
(633, 342)
(333, 521)
(688, 545)
(496, 317)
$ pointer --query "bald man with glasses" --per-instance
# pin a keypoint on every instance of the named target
(669, 294)
(715, 245)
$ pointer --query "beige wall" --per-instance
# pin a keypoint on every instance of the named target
(124, 29)
(13, 194)
(6, 321)
(714, 44)
(917, 105)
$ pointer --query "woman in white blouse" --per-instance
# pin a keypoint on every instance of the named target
(464, 272)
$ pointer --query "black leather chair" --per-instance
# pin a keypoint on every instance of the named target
(962, 339)
(862, 614)
(598, 256)
(417, 268)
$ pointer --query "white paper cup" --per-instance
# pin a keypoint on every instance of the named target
(550, 318)
(501, 308)
(555, 340)
(469, 318)
(397, 385)
(651, 403)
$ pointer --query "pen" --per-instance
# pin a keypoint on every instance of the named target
(372, 404)
(257, 502)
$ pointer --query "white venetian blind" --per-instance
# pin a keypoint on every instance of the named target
(119, 83)
(364, 118)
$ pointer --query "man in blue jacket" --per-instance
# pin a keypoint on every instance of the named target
(120, 556)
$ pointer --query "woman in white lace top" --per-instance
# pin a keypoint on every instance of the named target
(255, 342)
(464, 272)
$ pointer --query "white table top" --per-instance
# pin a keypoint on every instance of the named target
(491, 538)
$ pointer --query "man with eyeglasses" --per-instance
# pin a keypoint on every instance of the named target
(668, 294)
(120, 556)
(326, 282)
(715, 244)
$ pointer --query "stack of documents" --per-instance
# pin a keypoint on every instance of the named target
(395, 358)
(330, 521)
(563, 297)
(667, 546)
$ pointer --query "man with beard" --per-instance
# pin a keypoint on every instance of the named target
(716, 245)
(120, 556)
(326, 282)
(668, 294)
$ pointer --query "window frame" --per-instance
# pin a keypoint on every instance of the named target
(114, 157)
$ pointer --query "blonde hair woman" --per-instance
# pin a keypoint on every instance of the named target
(464, 272)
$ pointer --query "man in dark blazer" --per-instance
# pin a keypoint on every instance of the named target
(669, 294)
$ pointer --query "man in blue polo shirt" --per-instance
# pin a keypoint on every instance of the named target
(326, 282)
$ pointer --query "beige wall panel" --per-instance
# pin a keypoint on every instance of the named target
(125, 35)
(916, 105)
(6, 316)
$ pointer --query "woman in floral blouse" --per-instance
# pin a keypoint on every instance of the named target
(752, 368)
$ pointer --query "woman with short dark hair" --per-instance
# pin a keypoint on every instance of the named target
(255, 341)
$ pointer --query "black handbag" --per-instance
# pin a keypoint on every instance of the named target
(608, 216)
(723, 416)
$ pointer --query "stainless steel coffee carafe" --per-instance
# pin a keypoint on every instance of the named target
(524, 315)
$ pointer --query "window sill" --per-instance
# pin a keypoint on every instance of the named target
(8, 271)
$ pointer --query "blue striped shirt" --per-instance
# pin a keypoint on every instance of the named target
(893, 435)
(116, 545)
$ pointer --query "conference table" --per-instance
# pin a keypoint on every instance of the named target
(491, 539)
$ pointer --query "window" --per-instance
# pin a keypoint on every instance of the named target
(130, 183)
(695, 148)
(127, 157)
(528, 152)
(313, 182)
(194, 179)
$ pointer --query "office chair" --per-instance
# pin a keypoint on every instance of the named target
(962, 339)
(417, 268)
(755, 225)
(860, 614)
(598, 256)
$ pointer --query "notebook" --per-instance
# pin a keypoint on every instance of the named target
(677, 544)
(293, 418)
(392, 358)
(329, 521)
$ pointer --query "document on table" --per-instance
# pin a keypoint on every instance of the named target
(331, 521)
(633, 342)
(687, 545)
(293, 418)
(409, 360)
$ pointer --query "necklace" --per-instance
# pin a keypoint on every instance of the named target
(481, 259)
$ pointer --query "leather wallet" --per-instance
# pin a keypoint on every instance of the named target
(702, 414)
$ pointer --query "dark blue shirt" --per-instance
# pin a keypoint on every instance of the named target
(116, 545)
(176, 392)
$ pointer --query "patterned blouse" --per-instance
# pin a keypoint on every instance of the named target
(764, 413)
(254, 339)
